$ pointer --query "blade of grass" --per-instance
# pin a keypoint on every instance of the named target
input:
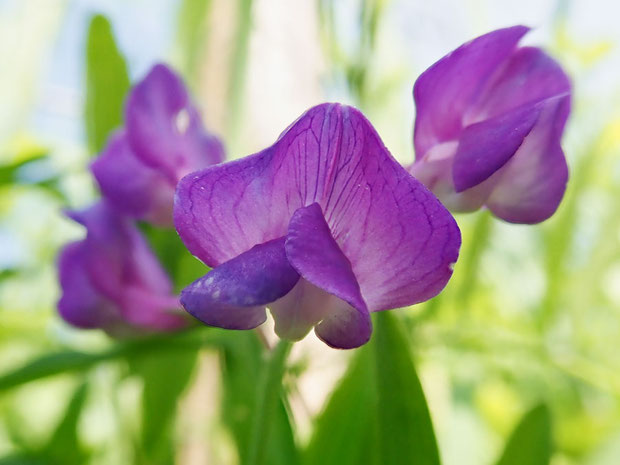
(107, 83)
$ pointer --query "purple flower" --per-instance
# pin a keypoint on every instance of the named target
(112, 280)
(163, 140)
(490, 116)
(323, 227)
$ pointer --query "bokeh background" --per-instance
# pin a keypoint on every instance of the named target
(532, 314)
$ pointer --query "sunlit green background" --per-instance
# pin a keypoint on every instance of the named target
(531, 317)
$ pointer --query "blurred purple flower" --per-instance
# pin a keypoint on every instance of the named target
(323, 227)
(490, 116)
(112, 280)
(163, 140)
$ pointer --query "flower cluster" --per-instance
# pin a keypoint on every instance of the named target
(111, 279)
(490, 116)
(323, 227)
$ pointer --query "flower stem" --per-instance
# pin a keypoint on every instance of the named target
(238, 71)
(469, 263)
(268, 391)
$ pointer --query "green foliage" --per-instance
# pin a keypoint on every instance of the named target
(64, 447)
(238, 71)
(530, 443)
(191, 34)
(242, 366)
(107, 83)
(405, 429)
(53, 364)
(9, 173)
(344, 433)
(71, 361)
(268, 394)
(165, 376)
(378, 412)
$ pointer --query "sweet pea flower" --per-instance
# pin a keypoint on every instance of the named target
(490, 116)
(112, 280)
(323, 227)
(162, 141)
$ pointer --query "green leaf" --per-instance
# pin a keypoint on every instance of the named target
(405, 430)
(71, 361)
(165, 376)
(65, 437)
(9, 174)
(193, 15)
(107, 83)
(22, 459)
(241, 366)
(469, 263)
(344, 432)
(51, 364)
(530, 442)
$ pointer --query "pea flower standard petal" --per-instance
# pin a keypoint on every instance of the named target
(162, 141)
(323, 227)
(112, 280)
(490, 116)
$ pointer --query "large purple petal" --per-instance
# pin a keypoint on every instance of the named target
(399, 239)
(529, 76)
(131, 186)
(165, 129)
(233, 295)
(487, 146)
(533, 182)
(316, 256)
(80, 304)
(445, 91)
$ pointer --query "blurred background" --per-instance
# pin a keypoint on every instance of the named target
(532, 314)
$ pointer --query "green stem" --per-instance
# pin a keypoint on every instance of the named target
(192, 20)
(268, 390)
(469, 263)
(237, 72)
(73, 361)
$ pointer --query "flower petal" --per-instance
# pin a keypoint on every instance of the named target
(233, 295)
(345, 327)
(436, 174)
(146, 309)
(300, 310)
(529, 76)
(398, 237)
(533, 182)
(131, 186)
(117, 256)
(487, 146)
(444, 92)
(165, 129)
(316, 256)
(80, 304)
